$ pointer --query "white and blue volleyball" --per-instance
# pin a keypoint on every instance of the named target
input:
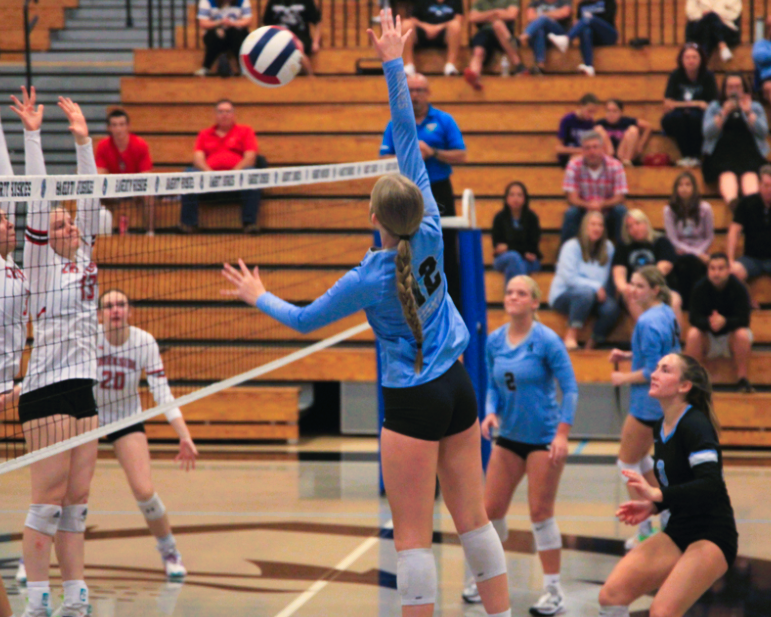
(271, 56)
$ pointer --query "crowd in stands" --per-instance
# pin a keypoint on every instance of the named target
(721, 128)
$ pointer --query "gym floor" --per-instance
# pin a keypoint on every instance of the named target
(284, 531)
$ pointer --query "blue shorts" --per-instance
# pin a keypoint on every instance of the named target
(755, 267)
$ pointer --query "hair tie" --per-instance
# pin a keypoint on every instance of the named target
(405, 237)
(420, 345)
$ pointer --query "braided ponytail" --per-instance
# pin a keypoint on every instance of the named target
(398, 205)
(404, 284)
(700, 394)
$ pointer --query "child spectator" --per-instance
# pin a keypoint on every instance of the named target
(545, 17)
(595, 25)
(627, 137)
(573, 126)
(689, 225)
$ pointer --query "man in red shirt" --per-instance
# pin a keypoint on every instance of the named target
(226, 146)
(125, 153)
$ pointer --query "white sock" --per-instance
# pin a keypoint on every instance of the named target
(75, 593)
(614, 611)
(664, 519)
(645, 528)
(39, 595)
(503, 614)
(167, 544)
(551, 580)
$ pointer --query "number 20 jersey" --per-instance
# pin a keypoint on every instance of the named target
(120, 369)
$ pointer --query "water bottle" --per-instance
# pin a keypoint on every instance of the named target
(123, 224)
(505, 66)
(760, 29)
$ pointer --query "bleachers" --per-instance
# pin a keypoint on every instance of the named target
(50, 16)
(509, 129)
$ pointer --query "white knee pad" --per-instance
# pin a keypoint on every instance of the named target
(153, 508)
(628, 467)
(44, 518)
(646, 464)
(484, 553)
(547, 535)
(614, 611)
(74, 518)
(416, 576)
(501, 528)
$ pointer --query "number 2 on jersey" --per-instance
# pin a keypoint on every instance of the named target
(431, 279)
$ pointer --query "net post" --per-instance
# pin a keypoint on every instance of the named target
(473, 309)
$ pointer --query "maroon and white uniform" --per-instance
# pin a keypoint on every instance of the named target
(63, 293)
(120, 369)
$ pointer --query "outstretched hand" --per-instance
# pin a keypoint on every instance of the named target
(635, 512)
(31, 115)
(248, 285)
(187, 454)
(78, 126)
(391, 42)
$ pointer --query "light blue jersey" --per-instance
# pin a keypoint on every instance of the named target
(521, 385)
(656, 334)
(372, 285)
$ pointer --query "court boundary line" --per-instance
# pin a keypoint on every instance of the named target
(342, 566)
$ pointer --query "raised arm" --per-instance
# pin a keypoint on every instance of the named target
(405, 134)
(6, 170)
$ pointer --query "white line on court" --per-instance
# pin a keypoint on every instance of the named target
(347, 561)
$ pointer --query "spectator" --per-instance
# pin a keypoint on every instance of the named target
(735, 134)
(581, 285)
(690, 89)
(125, 153)
(495, 31)
(441, 144)
(689, 224)
(594, 181)
(574, 125)
(434, 23)
(642, 246)
(761, 56)
(225, 146)
(516, 234)
(720, 320)
(626, 136)
(595, 25)
(714, 24)
(545, 18)
(753, 217)
(226, 25)
(301, 17)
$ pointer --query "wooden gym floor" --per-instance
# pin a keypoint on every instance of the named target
(300, 531)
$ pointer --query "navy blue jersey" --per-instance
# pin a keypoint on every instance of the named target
(521, 384)
(372, 285)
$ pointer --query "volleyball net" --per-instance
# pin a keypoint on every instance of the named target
(312, 226)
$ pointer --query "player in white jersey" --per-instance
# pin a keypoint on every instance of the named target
(57, 399)
(15, 296)
(123, 352)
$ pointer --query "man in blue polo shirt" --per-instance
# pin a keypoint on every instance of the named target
(442, 146)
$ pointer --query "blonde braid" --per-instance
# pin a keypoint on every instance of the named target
(404, 284)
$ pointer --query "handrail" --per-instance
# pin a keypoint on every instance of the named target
(28, 27)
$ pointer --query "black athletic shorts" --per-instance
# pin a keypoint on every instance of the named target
(520, 448)
(442, 407)
(134, 428)
(724, 536)
(438, 41)
(651, 424)
(72, 397)
(486, 38)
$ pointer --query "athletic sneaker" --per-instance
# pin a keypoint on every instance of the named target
(586, 70)
(21, 573)
(472, 78)
(450, 69)
(470, 593)
(638, 538)
(172, 562)
(725, 54)
(79, 610)
(43, 612)
(560, 41)
(550, 603)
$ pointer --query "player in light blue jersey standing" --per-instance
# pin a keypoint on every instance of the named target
(525, 361)
(656, 334)
(430, 423)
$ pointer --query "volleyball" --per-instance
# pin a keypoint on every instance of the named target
(271, 56)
